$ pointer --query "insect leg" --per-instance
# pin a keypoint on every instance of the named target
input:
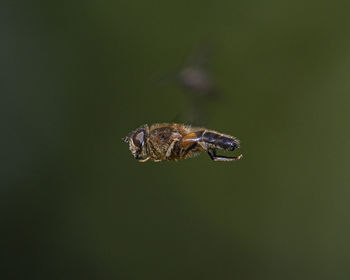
(144, 160)
(214, 157)
(170, 149)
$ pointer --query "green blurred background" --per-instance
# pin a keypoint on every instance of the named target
(77, 76)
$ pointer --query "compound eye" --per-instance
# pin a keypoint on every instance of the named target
(138, 138)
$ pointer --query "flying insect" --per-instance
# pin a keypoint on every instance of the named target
(173, 142)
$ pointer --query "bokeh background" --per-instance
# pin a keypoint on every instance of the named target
(77, 76)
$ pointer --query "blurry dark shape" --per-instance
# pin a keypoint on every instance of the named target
(195, 76)
(196, 80)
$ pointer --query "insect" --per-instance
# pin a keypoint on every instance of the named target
(172, 141)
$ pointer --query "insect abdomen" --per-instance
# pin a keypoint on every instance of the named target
(220, 141)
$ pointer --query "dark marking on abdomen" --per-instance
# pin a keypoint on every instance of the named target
(210, 137)
(227, 143)
(221, 141)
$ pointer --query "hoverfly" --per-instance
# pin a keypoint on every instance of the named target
(172, 141)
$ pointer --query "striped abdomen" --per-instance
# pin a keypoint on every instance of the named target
(225, 142)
